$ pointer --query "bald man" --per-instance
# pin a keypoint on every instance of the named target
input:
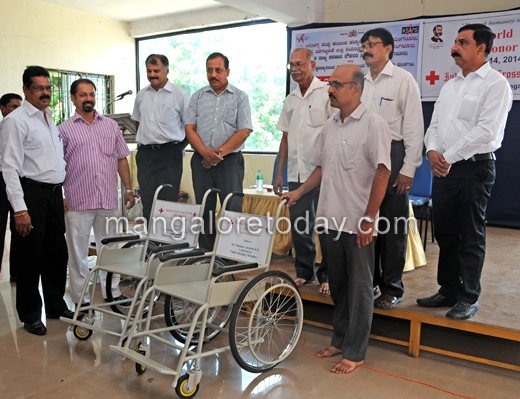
(352, 164)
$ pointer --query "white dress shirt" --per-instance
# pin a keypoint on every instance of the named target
(30, 148)
(161, 114)
(395, 96)
(470, 115)
(303, 118)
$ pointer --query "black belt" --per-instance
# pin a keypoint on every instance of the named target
(489, 156)
(156, 147)
(47, 186)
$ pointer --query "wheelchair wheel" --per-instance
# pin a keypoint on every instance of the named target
(182, 390)
(178, 311)
(128, 286)
(266, 322)
(82, 333)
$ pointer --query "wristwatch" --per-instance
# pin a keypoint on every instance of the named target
(368, 219)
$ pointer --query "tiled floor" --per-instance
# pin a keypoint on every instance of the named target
(59, 366)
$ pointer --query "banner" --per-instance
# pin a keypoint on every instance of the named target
(341, 45)
(439, 35)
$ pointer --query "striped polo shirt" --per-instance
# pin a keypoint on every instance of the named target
(92, 152)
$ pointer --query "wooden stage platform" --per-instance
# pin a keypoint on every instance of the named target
(491, 337)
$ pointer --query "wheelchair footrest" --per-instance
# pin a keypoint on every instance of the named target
(143, 360)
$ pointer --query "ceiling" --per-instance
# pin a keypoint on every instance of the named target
(133, 10)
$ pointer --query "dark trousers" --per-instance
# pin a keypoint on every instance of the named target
(459, 210)
(350, 281)
(391, 247)
(302, 215)
(5, 209)
(228, 177)
(157, 167)
(42, 253)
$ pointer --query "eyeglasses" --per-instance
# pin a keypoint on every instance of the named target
(369, 45)
(39, 89)
(339, 85)
(298, 65)
(218, 71)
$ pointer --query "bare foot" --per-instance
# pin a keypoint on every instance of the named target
(345, 367)
(328, 352)
(299, 282)
(324, 288)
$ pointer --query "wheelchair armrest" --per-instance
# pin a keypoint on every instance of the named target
(178, 255)
(108, 240)
(225, 269)
(162, 248)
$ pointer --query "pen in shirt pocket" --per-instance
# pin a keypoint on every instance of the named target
(384, 99)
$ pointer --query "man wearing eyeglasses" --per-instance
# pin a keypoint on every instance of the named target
(218, 124)
(351, 162)
(304, 112)
(34, 170)
(393, 93)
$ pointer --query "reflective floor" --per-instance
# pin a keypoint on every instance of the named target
(57, 365)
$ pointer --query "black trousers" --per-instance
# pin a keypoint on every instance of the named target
(391, 247)
(459, 210)
(302, 215)
(157, 167)
(228, 177)
(5, 209)
(42, 253)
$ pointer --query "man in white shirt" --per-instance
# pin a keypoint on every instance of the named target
(8, 103)
(467, 125)
(393, 93)
(159, 112)
(304, 112)
(34, 170)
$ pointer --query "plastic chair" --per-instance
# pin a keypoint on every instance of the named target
(420, 196)
(267, 311)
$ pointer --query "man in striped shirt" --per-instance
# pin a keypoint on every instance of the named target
(218, 123)
(95, 153)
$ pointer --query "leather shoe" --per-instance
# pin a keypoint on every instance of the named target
(386, 301)
(462, 311)
(35, 327)
(437, 300)
(67, 314)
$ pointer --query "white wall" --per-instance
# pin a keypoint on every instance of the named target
(389, 10)
(33, 33)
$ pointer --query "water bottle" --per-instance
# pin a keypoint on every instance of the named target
(259, 181)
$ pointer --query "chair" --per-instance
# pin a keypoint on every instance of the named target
(267, 311)
(135, 262)
(420, 196)
(284, 173)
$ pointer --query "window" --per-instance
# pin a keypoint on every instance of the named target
(61, 105)
(257, 57)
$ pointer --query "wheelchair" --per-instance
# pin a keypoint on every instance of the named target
(266, 312)
(170, 229)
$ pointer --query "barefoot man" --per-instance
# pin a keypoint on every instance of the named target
(304, 112)
(352, 163)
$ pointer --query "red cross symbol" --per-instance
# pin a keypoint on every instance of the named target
(432, 77)
(161, 210)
